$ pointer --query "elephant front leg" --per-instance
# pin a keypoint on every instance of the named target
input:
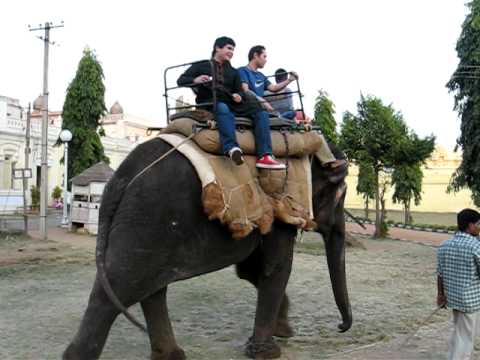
(250, 269)
(271, 293)
(282, 327)
(162, 340)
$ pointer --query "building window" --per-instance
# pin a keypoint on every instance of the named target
(12, 171)
(6, 172)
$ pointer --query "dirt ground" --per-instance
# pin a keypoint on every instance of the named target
(44, 287)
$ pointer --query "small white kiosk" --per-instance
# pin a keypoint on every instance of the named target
(87, 189)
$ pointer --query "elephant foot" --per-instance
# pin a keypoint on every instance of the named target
(69, 354)
(283, 330)
(175, 354)
(262, 350)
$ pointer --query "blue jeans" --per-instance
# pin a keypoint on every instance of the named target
(226, 127)
(290, 114)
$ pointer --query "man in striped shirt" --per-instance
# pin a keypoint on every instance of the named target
(458, 283)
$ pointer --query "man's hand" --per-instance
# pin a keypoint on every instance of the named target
(268, 107)
(237, 98)
(293, 76)
(441, 301)
(202, 79)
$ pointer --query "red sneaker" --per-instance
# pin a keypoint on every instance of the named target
(268, 162)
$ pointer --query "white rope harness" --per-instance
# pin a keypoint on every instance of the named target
(159, 159)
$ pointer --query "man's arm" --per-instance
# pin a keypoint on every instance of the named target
(280, 86)
(193, 75)
(261, 100)
(441, 298)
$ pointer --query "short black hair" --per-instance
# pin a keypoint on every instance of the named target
(221, 42)
(281, 75)
(257, 49)
(465, 217)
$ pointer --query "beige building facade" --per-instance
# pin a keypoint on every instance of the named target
(436, 177)
(123, 133)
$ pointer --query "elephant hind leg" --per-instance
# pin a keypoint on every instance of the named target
(162, 340)
(92, 334)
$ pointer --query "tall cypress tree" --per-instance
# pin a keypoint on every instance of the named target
(324, 116)
(84, 106)
(465, 84)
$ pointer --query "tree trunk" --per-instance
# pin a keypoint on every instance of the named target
(378, 229)
(366, 208)
(408, 215)
(382, 210)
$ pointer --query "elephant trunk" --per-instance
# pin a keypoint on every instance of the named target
(335, 249)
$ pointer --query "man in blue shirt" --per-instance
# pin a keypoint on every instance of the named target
(255, 83)
(458, 283)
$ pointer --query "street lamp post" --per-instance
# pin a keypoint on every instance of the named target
(65, 136)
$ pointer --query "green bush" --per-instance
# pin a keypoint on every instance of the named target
(383, 229)
(35, 195)
(57, 192)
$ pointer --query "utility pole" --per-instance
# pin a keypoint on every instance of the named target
(26, 166)
(44, 169)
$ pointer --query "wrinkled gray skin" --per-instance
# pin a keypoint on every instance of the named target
(154, 233)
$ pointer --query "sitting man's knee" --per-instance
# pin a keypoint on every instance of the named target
(222, 108)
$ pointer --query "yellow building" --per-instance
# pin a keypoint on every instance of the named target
(436, 176)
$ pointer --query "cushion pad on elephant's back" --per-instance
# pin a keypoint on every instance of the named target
(299, 143)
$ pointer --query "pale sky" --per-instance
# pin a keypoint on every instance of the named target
(402, 51)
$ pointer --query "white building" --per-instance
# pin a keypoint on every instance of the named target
(123, 133)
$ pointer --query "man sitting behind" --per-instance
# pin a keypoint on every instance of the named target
(282, 103)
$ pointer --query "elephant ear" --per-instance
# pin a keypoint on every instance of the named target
(338, 174)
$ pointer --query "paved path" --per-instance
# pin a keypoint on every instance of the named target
(421, 237)
(416, 236)
(61, 235)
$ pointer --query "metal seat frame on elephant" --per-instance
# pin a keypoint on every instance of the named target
(241, 123)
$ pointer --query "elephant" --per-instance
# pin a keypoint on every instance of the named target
(153, 232)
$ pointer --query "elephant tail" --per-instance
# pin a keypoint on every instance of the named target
(112, 196)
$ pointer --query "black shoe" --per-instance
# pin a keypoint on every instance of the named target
(236, 155)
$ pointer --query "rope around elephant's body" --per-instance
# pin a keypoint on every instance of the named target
(160, 159)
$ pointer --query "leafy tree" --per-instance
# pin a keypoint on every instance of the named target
(366, 184)
(465, 84)
(324, 117)
(407, 176)
(84, 106)
(378, 136)
(407, 182)
(372, 137)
